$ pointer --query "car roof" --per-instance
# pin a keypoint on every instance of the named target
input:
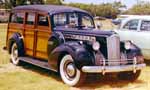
(147, 17)
(51, 9)
(134, 17)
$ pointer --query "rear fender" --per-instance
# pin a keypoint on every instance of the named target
(18, 39)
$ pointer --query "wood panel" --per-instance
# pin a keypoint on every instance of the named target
(42, 35)
(42, 42)
(29, 40)
(14, 28)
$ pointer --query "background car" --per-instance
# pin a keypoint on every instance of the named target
(137, 29)
(120, 18)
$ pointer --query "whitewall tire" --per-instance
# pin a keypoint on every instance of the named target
(14, 54)
(69, 73)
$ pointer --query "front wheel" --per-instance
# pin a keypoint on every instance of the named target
(69, 73)
(14, 54)
(130, 76)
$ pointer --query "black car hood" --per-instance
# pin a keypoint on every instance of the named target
(87, 32)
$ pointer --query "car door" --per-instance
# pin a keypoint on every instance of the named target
(144, 38)
(16, 24)
(29, 33)
(43, 32)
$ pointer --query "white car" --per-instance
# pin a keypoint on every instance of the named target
(120, 18)
(137, 29)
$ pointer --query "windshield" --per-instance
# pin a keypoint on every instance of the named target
(87, 22)
(73, 20)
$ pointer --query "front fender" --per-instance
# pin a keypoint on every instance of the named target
(55, 40)
(81, 56)
(134, 52)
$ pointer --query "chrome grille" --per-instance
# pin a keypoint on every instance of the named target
(113, 49)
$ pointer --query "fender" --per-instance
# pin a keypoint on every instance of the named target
(55, 40)
(134, 52)
(16, 37)
(81, 56)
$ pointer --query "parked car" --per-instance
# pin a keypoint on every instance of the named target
(137, 29)
(120, 18)
(64, 39)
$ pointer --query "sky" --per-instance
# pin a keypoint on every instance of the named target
(128, 3)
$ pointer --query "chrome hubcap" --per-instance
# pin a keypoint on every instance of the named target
(70, 69)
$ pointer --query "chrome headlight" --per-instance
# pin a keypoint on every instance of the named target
(96, 46)
(127, 45)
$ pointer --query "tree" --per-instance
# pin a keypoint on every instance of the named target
(104, 10)
(14, 3)
(1, 2)
(140, 9)
(57, 2)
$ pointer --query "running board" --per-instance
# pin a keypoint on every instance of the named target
(35, 62)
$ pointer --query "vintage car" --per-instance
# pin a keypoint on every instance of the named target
(64, 39)
(137, 29)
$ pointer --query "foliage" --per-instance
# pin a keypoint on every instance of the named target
(56, 2)
(109, 10)
(12, 3)
(139, 9)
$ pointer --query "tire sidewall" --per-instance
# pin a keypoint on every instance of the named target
(15, 62)
(77, 77)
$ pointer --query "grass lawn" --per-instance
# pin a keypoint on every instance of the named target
(4, 57)
(29, 77)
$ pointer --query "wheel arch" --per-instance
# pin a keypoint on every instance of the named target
(57, 38)
(80, 55)
(16, 38)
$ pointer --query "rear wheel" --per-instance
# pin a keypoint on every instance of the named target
(69, 73)
(14, 54)
(130, 76)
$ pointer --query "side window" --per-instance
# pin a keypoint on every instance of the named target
(30, 18)
(145, 26)
(43, 20)
(131, 25)
(17, 18)
(60, 19)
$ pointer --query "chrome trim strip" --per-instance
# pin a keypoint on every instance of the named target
(106, 69)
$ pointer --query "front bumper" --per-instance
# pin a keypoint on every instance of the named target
(107, 69)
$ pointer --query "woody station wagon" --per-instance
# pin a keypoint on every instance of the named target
(64, 39)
